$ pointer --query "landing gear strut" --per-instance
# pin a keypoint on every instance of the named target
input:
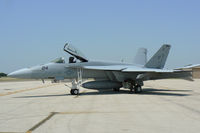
(138, 89)
(76, 83)
(134, 86)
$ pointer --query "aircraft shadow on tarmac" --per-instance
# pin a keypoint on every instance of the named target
(146, 91)
(38, 96)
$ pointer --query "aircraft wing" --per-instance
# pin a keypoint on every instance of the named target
(144, 73)
(189, 66)
(129, 69)
(106, 68)
(148, 70)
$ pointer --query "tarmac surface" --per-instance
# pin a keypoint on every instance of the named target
(167, 106)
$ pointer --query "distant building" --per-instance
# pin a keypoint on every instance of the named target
(195, 69)
(196, 72)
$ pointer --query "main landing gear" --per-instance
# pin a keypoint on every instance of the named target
(137, 89)
(133, 86)
(116, 89)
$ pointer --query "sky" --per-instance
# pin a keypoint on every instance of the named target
(34, 31)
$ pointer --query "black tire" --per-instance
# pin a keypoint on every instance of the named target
(131, 90)
(116, 89)
(74, 91)
(138, 89)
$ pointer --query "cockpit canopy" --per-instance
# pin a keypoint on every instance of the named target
(75, 52)
(59, 60)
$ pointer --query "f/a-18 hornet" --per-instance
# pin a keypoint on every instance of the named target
(106, 75)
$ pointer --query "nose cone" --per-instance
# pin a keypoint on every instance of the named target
(22, 73)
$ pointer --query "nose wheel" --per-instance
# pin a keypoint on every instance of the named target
(76, 83)
(74, 91)
(75, 88)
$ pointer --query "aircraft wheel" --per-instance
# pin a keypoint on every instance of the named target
(116, 89)
(71, 91)
(131, 90)
(138, 89)
(74, 91)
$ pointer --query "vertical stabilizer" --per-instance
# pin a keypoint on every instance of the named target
(159, 59)
(141, 57)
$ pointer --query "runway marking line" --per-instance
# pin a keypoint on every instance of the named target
(11, 132)
(24, 90)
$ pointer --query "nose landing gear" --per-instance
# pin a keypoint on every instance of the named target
(76, 85)
(74, 91)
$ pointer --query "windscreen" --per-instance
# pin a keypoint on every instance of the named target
(59, 60)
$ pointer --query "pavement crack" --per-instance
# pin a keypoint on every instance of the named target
(41, 122)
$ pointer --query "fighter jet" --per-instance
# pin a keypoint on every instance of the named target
(105, 75)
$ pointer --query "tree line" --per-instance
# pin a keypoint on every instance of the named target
(3, 75)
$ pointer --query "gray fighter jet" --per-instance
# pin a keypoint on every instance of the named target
(105, 75)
